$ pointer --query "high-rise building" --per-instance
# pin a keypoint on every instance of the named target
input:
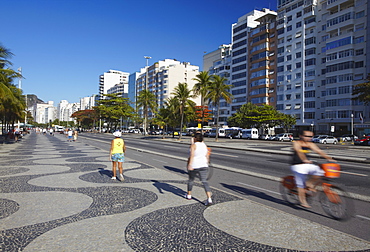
(162, 77)
(218, 62)
(44, 112)
(88, 102)
(111, 78)
(242, 41)
(321, 55)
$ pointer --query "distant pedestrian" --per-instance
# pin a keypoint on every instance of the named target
(198, 164)
(51, 131)
(75, 135)
(70, 135)
(117, 154)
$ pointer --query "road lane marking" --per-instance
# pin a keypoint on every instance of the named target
(259, 188)
(356, 174)
(213, 153)
(363, 217)
(160, 161)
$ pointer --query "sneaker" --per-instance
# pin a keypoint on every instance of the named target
(187, 196)
(114, 178)
(209, 202)
(121, 177)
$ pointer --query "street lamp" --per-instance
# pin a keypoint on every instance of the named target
(352, 124)
(146, 88)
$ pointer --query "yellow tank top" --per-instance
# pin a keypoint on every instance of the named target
(118, 145)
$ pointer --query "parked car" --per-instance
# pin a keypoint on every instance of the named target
(348, 137)
(328, 140)
(271, 137)
(316, 138)
(264, 137)
(363, 141)
(284, 137)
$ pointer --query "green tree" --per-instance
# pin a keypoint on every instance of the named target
(86, 118)
(12, 102)
(362, 91)
(114, 108)
(203, 81)
(216, 90)
(265, 116)
(183, 94)
(146, 100)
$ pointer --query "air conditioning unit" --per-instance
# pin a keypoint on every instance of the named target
(288, 80)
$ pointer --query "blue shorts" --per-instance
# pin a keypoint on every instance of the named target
(118, 157)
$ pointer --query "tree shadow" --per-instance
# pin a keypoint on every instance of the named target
(174, 169)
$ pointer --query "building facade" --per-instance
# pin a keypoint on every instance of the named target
(111, 78)
(322, 54)
(162, 77)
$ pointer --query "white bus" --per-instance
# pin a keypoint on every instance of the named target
(250, 133)
(221, 132)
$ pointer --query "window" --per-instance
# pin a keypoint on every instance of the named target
(298, 86)
(298, 24)
(289, 18)
(298, 45)
(309, 94)
(309, 104)
(298, 75)
(298, 65)
(298, 55)
(288, 96)
(289, 77)
(299, 14)
(310, 62)
(360, 14)
(359, 64)
(280, 50)
(288, 106)
(359, 40)
(289, 57)
(289, 28)
(309, 115)
(359, 52)
(280, 59)
(309, 73)
(344, 90)
(280, 69)
(298, 95)
(331, 91)
(343, 114)
(289, 67)
(310, 41)
(359, 27)
(288, 87)
(358, 77)
(310, 51)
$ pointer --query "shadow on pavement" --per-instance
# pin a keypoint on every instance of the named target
(174, 169)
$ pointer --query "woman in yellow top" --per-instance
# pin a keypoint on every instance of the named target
(117, 154)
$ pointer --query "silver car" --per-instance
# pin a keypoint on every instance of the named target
(328, 140)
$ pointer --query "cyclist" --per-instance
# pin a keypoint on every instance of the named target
(302, 166)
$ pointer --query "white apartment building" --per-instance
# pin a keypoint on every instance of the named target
(66, 109)
(218, 62)
(44, 112)
(162, 77)
(88, 102)
(110, 79)
(241, 56)
(321, 55)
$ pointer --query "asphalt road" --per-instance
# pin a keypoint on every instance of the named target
(257, 188)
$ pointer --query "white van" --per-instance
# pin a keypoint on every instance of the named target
(250, 133)
(221, 132)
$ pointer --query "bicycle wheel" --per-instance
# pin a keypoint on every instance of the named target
(289, 195)
(336, 202)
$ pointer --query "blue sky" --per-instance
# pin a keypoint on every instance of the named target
(64, 45)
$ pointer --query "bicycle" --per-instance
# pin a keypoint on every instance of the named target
(334, 200)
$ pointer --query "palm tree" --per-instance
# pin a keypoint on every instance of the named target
(362, 91)
(183, 94)
(146, 100)
(12, 103)
(217, 90)
(203, 80)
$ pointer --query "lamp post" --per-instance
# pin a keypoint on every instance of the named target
(351, 123)
(146, 88)
(312, 125)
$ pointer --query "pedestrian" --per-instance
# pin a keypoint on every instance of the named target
(117, 154)
(75, 135)
(70, 135)
(198, 164)
(51, 132)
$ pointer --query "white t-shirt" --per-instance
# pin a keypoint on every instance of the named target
(200, 156)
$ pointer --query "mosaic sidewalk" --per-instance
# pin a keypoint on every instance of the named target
(58, 196)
